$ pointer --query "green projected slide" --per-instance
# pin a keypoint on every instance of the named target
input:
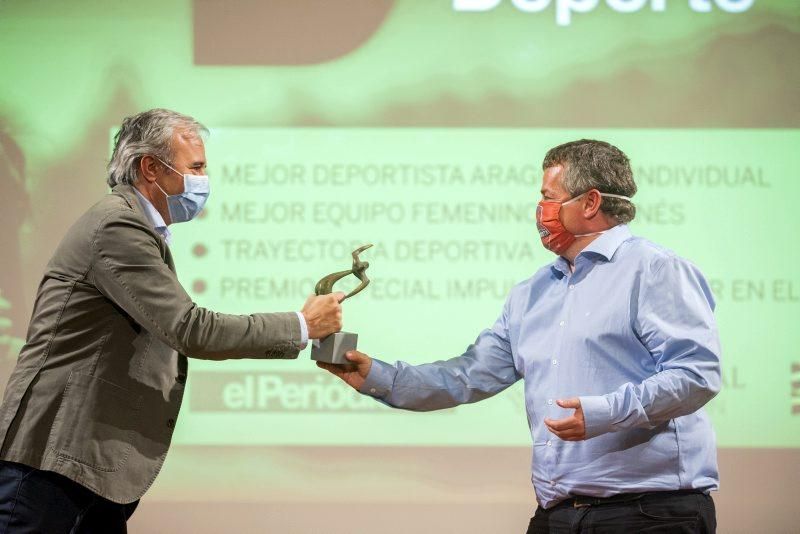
(419, 127)
(451, 213)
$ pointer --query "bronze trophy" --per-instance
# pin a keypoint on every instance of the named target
(333, 348)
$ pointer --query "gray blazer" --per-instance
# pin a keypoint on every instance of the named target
(98, 385)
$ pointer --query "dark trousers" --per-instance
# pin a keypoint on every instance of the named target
(664, 512)
(34, 501)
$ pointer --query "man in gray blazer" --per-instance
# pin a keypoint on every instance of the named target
(90, 408)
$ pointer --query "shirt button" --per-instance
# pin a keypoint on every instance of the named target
(549, 443)
(571, 286)
(550, 402)
(170, 423)
(552, 482)
(562, 323)
(373, 390)
(555, 362)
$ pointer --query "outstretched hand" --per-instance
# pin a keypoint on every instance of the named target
(572, 428)
(323, 314)
(354, 374)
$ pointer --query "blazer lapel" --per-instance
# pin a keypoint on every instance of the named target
(127, 192)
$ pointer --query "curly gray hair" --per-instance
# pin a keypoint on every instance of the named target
(590, 164)
(148, 133)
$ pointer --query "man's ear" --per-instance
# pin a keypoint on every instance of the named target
(148, 168)
(592, 203)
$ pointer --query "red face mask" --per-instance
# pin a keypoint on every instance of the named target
(555, 237)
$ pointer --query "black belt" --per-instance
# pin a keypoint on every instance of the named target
(583, 501)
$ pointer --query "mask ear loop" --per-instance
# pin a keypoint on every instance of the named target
(160, 189)
(173, 169)
(573, 199)
(623, 197)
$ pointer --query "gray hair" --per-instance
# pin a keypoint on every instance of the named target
(590, 164)
(148, 133)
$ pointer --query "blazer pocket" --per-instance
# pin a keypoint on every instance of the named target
(95, 423)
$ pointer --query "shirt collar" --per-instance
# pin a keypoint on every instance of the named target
(605, 246)
(154, 217)
(608, 242)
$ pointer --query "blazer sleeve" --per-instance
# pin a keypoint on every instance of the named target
(127, 268)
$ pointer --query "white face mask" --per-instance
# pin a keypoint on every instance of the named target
(185, 206)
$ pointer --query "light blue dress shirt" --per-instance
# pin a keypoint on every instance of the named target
(155, 218)
(162, 229)
(631, 332)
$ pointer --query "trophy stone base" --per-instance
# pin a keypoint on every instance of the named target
(332, 348)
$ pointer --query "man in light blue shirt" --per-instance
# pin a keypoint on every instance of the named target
(619, 350)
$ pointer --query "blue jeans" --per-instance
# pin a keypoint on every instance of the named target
(664, 512)
(38, 501)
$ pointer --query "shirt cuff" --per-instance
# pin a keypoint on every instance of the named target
(596, 415)
(380, 379)
(303, 331)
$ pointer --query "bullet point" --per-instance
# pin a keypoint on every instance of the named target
(200, 250)
(199, 286)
